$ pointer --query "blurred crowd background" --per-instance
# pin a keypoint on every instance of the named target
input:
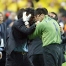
(10, 8)
(15, 5)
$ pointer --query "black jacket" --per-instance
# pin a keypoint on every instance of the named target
(4, 33)
(18, 34)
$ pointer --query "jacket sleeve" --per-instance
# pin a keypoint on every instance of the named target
(21, 27)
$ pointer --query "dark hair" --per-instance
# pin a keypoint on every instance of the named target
(30, 11)
(41, 11)
(20, 13)
(56, 17)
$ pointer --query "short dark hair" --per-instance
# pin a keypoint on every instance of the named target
(56, 17)
(20, 13)
(41, 11)
(30, 11)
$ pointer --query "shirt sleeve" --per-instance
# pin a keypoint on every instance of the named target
(37, 32)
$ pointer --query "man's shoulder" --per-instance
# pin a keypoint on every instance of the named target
(19, 21)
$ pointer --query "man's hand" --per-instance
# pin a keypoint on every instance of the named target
(0, 55)
(26, 18)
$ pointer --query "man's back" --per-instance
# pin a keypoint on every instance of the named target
(49, 30)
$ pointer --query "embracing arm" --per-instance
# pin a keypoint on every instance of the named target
(22, 28)
(37, 32)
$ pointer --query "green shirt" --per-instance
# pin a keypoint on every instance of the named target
(48, 29)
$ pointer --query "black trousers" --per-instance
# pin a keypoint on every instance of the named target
(53, 55)
(17, 59)
(2, 61)
(63, 47)
(63, 50)
(38, 60)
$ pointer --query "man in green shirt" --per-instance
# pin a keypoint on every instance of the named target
(49, 31)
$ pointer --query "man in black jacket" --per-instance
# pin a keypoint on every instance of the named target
(3, 35)
(15, 53)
